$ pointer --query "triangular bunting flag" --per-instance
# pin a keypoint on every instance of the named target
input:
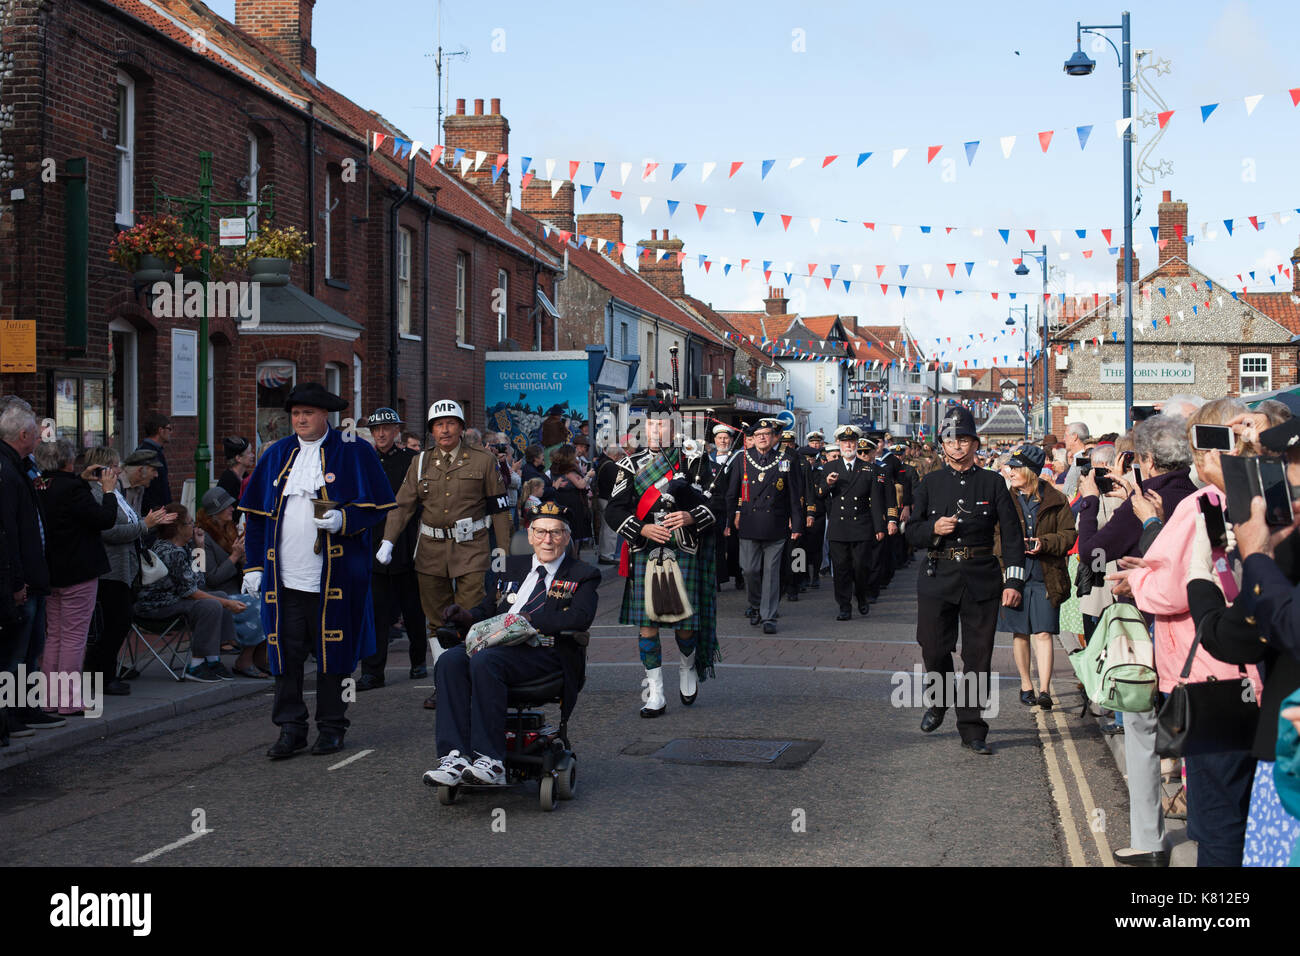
(1045, 139)
(1008, 143)
(677, 171)
(1163, 117)
(898, 155)
(735, 167)
(1084, 132)
(932, 152)
(862, 158)
(971, 147)
(1252, 102)
(767, 167)
(1207, 110)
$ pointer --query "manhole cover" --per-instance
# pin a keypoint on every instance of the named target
(728, 751)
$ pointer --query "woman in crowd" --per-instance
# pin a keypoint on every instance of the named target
(76, 557)
(572, 491)
(116, 595)
(211, 617)
(223, 551)
(1047, 525)
(240, 461)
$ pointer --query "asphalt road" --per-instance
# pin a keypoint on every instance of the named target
(872, 789)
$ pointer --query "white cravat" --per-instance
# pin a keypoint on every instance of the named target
(300, 565)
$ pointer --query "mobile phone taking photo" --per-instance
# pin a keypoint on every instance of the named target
(1214, 523)
(1213, 438)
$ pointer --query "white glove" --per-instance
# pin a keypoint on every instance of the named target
(331, 521)
(385, 553)
(1200, 564)
(252, 582)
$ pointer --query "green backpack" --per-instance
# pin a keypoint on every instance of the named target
(1117, 668)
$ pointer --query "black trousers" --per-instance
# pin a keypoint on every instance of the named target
(851, 567)
(299, 634)
(901, 550)
(936, 632)
(472, 693)
(394, 594)
(882, 566)
(116, 602)
(726, 554)
(813, 541)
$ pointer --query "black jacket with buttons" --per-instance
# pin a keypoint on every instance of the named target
(775, 504)
(855, 503)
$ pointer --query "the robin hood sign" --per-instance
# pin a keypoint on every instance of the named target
(1180, 373)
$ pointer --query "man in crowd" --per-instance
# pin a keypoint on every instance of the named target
(457, 492)
(309, 506)
(393, 586)
(1078, 442)
(810, 459)
(606, 475)
(726, 547)
(854, 496)
(157, 430)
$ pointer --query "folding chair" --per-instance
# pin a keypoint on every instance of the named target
(169, 634)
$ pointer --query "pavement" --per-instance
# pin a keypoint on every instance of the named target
(175, 774)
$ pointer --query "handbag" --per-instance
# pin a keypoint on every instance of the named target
(152, 570)
(1207, 717)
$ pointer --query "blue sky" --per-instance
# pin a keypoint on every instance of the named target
(692, 82)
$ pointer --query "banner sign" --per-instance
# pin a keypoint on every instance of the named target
(1155, 372)
(521, 387)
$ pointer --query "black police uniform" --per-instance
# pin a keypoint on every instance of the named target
(773, 508)
(855, 514)
(814, 536)
(393, 587)
(882, 566)
(961, 580)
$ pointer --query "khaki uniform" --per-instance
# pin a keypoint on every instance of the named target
(469, 489)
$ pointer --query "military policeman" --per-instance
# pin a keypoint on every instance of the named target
(393, 586)
(458, 491)
(856, 523)
(956, 512)
(766, 503)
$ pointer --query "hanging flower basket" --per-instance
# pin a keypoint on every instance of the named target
(155, 247)
(269, 270)
(271, 252)
(151, 269)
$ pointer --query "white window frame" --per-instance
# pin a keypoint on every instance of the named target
(356, 387)
(462, 278)
(125, 215)
(1266, 374)
(327, 215)
(254, 167)
(333, 384)
(405, 240)
(503, 293)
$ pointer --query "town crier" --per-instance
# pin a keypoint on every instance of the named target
(311, 502)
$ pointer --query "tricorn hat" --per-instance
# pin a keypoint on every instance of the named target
(316, 395)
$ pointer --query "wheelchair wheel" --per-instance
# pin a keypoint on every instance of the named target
(447, 795)
(546, 793)
(566, 784)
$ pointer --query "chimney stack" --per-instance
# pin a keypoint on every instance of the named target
(664, 274)
(1173, 231)
(1119, 271)
(776, 302)
(487, 133)
(283, 25)
(605, 226)
(556, 211)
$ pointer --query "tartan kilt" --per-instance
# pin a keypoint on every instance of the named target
(698, 578)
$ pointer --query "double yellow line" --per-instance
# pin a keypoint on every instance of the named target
(1060, 793)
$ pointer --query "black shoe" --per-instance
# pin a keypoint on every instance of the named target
(873, 597)
(1127, 856)
(864, 608)
(816, 584)
(649, 714)
(327, 742)
(369, 682)
(1028, 698)
(1045, 700)
(979, 747)
(38, 719)
(419, 671)
(932, 719)
(792, 596)
(117, 688)
(769, 627)
(1112, 727)
(740, 583)
(288, 745)
(844, 615)
(131, 674)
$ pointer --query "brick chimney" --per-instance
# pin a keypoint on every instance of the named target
(283, 25)
(555, 211)
(776, 302)
(606, 226)
(1119, 270)
(664, 274)
(1173, 227)
(487, 132)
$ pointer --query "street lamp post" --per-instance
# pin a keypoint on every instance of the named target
(1079, 64)
(1023, 270)
(1011, 321)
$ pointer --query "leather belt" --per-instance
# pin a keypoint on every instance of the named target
(960, 554)
(463, 530)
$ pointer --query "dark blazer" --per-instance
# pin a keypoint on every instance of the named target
(570, 606)
(21, 512)
(776, 503)
(529, 470)
(855, 504)
(396, 463)
(72, 542)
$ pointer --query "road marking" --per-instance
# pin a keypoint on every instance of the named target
(356, 756)
(171, 846)
(1060, 795)
(1076, 767)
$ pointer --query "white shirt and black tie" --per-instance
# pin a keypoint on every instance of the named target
(536, 585)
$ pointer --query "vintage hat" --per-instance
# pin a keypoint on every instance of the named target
(555, 410)
(720, 429)
(771, 424)
(958, 422)
(316, 395)
(847, 432)
(787, 435)
(384, 416)
(216, 500)
(548, 507)
(446, 408)
(1028, 456)
(864, 444)
(818, 436)
(234, 446)
(143, 456)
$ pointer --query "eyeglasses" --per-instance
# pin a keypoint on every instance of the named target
(554, 534)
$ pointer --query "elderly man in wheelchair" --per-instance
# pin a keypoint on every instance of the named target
(524, 645)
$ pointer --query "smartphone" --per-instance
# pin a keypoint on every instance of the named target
(1104, 483)
(1137, 477)
(1276, 491)
(1213, 438)
(1214, 524)
(1085, 467)
(1142, 412)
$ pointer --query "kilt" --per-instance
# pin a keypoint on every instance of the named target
(700, 581)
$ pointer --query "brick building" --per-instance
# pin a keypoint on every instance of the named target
(395, 304)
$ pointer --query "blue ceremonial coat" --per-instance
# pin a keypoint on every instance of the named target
(354, 478)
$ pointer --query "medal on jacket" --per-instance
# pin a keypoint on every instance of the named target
(780, 484)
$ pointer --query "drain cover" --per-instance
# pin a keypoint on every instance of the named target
(728, 751)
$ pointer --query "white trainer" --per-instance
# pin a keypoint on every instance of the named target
(451, 768)
(486, 771)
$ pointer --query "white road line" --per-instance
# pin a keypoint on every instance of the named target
(1060, 796)
(356, 756)
(171, 846)
(1076, 767)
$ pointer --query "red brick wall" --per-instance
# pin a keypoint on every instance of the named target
(283, 25)
(556, 211)
(664, 274)
(489, 132)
